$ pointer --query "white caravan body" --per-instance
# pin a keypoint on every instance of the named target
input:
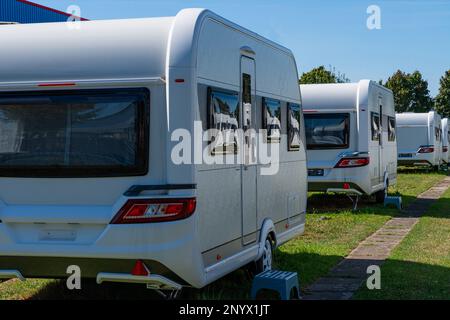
(349, 150)
(87, 175)
(419, 139)
(445, 141)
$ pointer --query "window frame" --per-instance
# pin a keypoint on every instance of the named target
(264, 120)
(346, 145)
(142, 131)
(395, 129)
(378, 136)
(288, 122)
(210, 119)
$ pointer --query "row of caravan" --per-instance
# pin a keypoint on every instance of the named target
(91, 169)
(423, 139)
(355, 140)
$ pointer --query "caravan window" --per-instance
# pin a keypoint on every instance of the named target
(272, 120)
(327, 131)
(294, 119)
(437, 133)
(391, 129)
(375, 126)
(223, 110)
(84, 133)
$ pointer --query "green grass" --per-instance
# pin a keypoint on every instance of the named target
(332, 231)
(412, 182)
(419, 268)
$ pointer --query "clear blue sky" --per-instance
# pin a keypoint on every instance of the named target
(415, 34)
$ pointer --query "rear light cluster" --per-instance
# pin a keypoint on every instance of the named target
(155, 210)
(353, 162)
(426, 149)
(444, 149)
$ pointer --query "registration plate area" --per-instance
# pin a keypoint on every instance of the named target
(405, 155)
(43, 233)
(315, 172)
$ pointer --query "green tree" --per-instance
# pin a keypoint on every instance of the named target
(317, 75)
(411, 92)
(322, 75)
(442, 104)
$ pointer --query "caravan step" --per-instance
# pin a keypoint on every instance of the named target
(283, 282)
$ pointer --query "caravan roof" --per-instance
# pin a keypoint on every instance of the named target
(338, 95)
(415, 119)
(106, 50)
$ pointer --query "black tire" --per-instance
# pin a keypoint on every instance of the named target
(380, 195)
(265, 263)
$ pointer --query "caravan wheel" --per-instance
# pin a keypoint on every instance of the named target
(265, 262)
(380, 195)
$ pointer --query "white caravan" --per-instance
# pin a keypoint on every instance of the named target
(350, 137)
(87, 169)
(445, 141)
(419, 139)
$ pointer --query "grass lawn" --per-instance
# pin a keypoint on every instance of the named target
(419, 268)
(332, 231)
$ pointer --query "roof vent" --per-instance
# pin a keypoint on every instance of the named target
(247, 50)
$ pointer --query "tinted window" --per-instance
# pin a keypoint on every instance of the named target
(293, 117)
(391, 129)
(272, 120)
(375, 126)
(246, 99)
(437, 133)
(327, 131)
(224, 117)
(74, 133)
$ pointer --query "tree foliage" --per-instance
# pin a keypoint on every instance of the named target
(411, 92)
(442, 104)
(322, 75)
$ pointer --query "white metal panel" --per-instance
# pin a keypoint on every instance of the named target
(110, 49)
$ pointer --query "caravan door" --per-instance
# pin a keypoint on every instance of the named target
(248, 152)
(380, 149)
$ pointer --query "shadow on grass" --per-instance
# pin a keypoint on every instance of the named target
(235, 286)
(322, 202)
(90, 290)
(400, 280)
(410, 281)
(416, 170)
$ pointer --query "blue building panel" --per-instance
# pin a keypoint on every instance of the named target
(22, 11)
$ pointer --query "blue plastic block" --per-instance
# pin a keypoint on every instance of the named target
(281, 281)
(396, 201)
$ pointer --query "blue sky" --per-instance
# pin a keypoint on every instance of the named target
(414, 34)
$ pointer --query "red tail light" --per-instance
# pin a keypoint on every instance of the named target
(426, 149)
(154, 210)
(353, 162)
(444, 149)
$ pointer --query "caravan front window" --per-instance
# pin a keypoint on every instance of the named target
(83, 133)
(327, 131)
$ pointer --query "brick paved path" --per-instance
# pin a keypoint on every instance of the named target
(348, 276)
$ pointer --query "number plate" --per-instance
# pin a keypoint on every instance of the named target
(315, 172)
(405, 155)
